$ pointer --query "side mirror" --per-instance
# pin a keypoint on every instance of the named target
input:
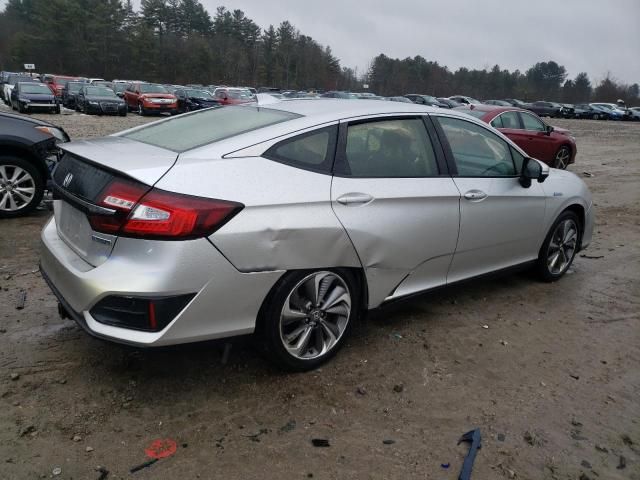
(532, 169)
(548, 130)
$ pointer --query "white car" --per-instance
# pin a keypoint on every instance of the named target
(288, 220)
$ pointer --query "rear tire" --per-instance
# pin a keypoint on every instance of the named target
(298, 332)
(21, 186)
(559, 248)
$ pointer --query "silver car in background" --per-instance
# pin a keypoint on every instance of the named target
(289, 220)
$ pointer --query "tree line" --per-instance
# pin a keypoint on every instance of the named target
(178, 41)
(543, 81)
(174, 41)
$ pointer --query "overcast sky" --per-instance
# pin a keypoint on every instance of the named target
(596, 36)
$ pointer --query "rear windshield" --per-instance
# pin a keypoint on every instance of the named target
(186, 132)
(475, 113)
(150, 88)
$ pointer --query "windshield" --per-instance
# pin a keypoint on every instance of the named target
(198, 94)
(208, 126)
(35, 88)
(100, 92)
(75, 87)
(119, 87)
(608, 107)
(150, 88)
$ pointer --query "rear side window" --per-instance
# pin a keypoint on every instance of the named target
(186, 132)
(310, 151)
(398, 148)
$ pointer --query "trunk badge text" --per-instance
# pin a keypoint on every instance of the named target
(104, 241)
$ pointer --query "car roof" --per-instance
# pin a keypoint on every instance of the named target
(337, 109)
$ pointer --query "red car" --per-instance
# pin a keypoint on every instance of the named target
(57, 83)
(146, 98)
(233, 96)
(554, 146)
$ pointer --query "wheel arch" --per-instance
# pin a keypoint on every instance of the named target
(26, 154)
(356, 272)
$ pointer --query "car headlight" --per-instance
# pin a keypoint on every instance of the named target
(24, 100)
(54, 132)
(94, 103)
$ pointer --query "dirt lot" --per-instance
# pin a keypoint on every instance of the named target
(553, 382)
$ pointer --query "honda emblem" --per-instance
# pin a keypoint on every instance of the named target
(67, 180)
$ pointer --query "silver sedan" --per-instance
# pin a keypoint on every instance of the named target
(289, 220)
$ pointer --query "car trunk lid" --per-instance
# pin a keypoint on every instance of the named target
(85, 170)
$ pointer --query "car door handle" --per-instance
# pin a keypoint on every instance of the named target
(475, 195)
(354, 198)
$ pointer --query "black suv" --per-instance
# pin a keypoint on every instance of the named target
(28, 153)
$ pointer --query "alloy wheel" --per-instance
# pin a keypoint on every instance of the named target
(562, 246)
(17, 188)
(315, 315)
(562, 158)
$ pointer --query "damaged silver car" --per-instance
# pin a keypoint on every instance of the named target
(290, 220)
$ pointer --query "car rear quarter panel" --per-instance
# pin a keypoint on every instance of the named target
(287, 222)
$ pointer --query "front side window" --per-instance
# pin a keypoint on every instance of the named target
(532, 123)
(310, 151)
(477, 152)
(389, 148)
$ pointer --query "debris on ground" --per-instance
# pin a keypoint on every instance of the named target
(146, 464)
(320, 442)
(104, 473)
(475, 439)
(56, 471)
(388, 441)
(445, 465)
(14, 376)
(288, 427)
(22, 299)
(622, 462)
(586, 464)
(77, 438)
(398, 388)
(602, 449)
(255, 437)
(161, 448)
(587, 174)
(591, 257)
(361, 391)
(532, 439)
(501, 437)
(88, 449)
(575, 377)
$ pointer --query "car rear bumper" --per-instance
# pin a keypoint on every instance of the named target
(226, 302)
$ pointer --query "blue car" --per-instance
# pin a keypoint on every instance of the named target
(29, 97)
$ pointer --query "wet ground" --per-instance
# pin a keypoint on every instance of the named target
(553, 383)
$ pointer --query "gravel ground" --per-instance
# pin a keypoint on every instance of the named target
(553, 382)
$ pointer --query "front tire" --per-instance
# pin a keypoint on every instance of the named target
(21, 187)
(559, 248)
(141, 110)
(307, 316)
(561, 160)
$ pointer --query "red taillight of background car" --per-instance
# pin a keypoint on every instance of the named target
(142, 212)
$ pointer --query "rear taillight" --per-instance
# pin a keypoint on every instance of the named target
(144, 212)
